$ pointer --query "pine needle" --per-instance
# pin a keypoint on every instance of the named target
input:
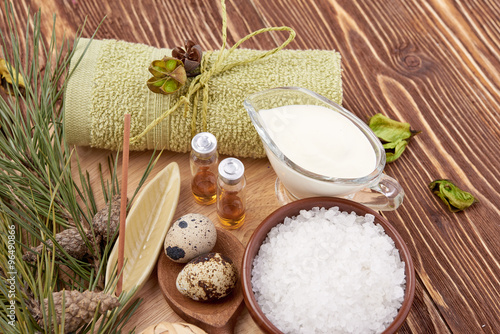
(39, 192)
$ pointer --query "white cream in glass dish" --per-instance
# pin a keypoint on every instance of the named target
(318, 148)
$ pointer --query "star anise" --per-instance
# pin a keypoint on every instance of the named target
(190, 56)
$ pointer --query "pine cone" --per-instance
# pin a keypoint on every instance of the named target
(80, 307)
(191, 56)
(70, 240)
(100, 220)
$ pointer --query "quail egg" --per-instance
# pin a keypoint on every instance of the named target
(207, 277)
(190, 235)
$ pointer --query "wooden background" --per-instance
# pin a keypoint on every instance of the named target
(434, 64)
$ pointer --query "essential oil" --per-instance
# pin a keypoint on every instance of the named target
(203, 164)
(231, 184)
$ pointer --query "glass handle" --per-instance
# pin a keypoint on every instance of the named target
(386, 195)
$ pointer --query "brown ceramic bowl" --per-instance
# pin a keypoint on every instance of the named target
(293, 209)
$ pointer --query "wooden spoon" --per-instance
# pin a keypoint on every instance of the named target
(217, 317)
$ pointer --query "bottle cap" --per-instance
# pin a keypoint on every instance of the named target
(231, 170)
(204, 143)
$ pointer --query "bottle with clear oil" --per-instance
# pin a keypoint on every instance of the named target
(231, 199)
(203, 162)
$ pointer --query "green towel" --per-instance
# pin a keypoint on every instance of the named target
(110, 81)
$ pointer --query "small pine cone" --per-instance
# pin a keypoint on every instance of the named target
(70, 240)
(100, 220)
(80, 307)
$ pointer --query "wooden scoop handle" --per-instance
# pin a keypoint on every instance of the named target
(227, 329)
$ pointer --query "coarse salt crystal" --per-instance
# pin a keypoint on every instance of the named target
(342, 268)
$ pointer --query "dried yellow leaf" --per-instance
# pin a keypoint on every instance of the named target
(8, 82)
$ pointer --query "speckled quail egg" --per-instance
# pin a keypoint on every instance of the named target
(207, 277)
(189, 236)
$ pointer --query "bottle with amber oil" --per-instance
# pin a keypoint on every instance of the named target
(203, 164)
(231, 193)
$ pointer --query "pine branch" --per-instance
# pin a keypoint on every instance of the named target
(44, 191)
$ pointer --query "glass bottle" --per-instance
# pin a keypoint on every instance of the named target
(231, 193)
(203, 162)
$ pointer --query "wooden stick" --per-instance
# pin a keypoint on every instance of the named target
(123, 203)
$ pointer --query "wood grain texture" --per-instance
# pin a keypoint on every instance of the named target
(434, 64)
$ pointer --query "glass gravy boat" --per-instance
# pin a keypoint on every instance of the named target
(375, 190)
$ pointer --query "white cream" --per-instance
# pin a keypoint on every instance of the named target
(320, 140)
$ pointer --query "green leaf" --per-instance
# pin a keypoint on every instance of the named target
(394, 150)
(389, 130)
(395, 135)
(455, 198)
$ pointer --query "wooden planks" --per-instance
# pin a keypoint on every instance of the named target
(433, 64)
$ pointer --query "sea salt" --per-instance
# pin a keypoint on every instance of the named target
(327, 271)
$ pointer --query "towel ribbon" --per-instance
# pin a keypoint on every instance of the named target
(200, 81)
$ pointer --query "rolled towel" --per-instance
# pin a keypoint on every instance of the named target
(110, 81)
